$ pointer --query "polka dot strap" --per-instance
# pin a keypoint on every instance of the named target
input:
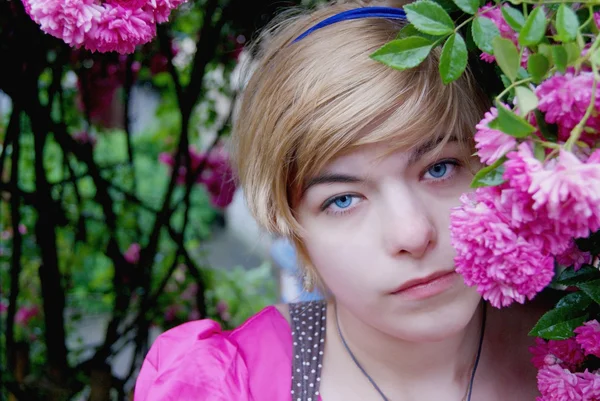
(308, 333)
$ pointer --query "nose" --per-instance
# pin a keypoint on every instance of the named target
(408, 228)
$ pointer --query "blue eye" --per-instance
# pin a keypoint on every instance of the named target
(343, 201)
(438, 170)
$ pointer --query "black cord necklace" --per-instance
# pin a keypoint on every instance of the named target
(376, 387)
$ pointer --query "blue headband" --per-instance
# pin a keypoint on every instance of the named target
(357, 13)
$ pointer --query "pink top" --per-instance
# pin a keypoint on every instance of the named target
(199, 361)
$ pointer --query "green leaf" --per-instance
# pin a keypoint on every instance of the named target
(429, 17)
(453, 60)
(484, 31)
(534, 29)
(567, 23)
(546, 50)
(526, 100)
(591, 289)
(558, 323)
(549, 131)
(538, 66)
(561, 330)
(510, 123)
(570, 276)
(507, 57)
(468, 6)
(513, 17)
(402, 54)
(573, 52)
(561, 58)
(489, 176)
(574, 301)
(410, 30)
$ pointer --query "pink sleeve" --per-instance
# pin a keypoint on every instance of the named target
(194, 361)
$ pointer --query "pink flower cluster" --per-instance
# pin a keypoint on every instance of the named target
(494, 13)
(101, 25)
(561, 376)
(506, 237)
(217, 175)
(564, 100)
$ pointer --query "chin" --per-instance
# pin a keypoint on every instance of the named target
(438, 320)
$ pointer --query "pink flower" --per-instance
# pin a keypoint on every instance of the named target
(494, 13)
(25, 314)
(573, 256)
(588, 337)
(566, 353)
(69, 20)
(569, 193)
(597, 19)
(132, 255)
(217, 175)
(162, 8)
(190, 292)
(84, 138)
(558, 384)
(492, 144)
(120, 29)
(129, 4)
(172, 312)
(492, 256)
(3, 307)
(565, 98)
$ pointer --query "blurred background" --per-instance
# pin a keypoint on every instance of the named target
(119, 215)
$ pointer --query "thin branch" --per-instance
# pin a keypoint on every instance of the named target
(15, 268)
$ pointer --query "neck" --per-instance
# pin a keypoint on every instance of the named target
(388, 359)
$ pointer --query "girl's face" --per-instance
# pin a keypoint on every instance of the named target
(375, 227)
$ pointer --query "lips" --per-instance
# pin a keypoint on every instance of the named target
(422, 281)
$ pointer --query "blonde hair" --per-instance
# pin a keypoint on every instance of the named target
(309, 101)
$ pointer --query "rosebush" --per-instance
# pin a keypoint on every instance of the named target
(533, 221)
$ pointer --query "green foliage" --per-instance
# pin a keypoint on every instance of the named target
(404, 53)
(534, 29)
(484, 31)
(454, 58)
(507, 57)
(511, 124)
(489, 176)
(429, 17)
(559, 323)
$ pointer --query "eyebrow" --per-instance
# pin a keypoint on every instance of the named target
(427, 147)
(331, 179)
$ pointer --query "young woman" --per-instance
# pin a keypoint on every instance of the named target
(360, 165)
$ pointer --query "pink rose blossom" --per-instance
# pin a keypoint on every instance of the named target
(569, 193)
(565, 98)
(162, 8)
(84, 138)
(566, 353)
(558, 384)
(120, 29)
(171, 312)
(217, 175)
(25, 314)
(494, 13)
(588, 337)
(492, 144)
(573, 256)
(132, 255)
(491, 255)
(69, 20)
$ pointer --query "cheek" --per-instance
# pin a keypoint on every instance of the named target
(340, 256)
